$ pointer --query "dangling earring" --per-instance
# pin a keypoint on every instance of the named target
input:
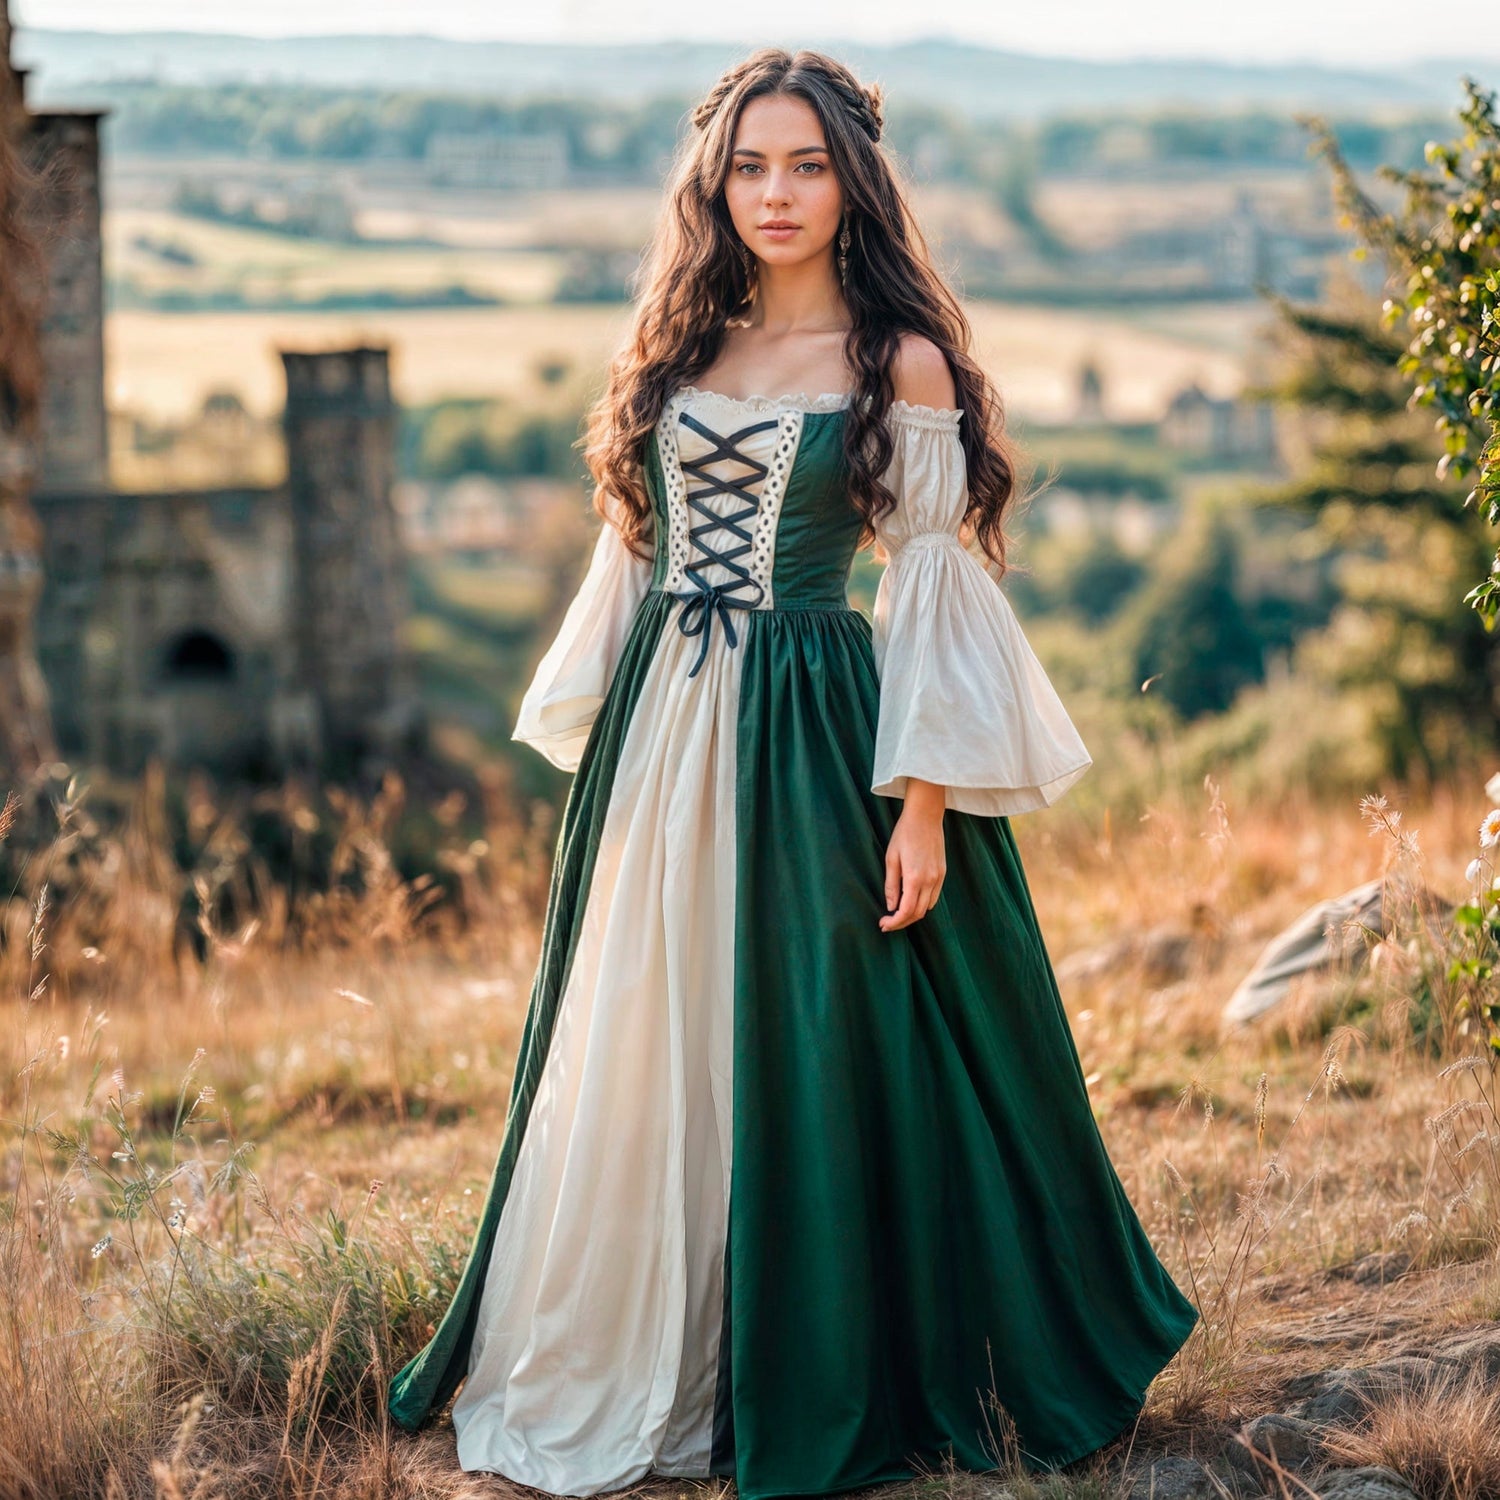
(749, 260)
(844, 254)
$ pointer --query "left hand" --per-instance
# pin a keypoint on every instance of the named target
(916, 861)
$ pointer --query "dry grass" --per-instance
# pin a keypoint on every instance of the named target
(238, 1189)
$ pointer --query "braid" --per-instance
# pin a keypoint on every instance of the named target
(864, 103)
(713, 101)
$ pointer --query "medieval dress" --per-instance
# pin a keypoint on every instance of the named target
(782, 1196)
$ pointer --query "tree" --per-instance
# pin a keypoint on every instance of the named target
(1445, 244)
(1190, 628)
(1402, 538)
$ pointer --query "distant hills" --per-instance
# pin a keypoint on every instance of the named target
(980, 82)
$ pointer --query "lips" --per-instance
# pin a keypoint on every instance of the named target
(780, 224)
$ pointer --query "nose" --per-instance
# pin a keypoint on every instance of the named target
(777, 189)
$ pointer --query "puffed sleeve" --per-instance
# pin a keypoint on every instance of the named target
(558, 709)
(963, 699)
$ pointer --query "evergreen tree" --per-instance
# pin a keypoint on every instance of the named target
(1444, 247)
(1404, 541)
(1191, 630)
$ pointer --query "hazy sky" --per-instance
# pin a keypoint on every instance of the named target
(1370, 32)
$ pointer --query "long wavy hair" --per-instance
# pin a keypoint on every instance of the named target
(698, 275)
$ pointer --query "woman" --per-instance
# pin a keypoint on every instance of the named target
(789, 944)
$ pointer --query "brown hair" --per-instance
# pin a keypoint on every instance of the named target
(696, 278)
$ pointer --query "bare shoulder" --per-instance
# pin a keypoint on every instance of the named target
(920, 373)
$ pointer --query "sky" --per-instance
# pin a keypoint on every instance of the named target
(1351, 33)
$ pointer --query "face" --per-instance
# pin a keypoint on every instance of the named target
(782, 194)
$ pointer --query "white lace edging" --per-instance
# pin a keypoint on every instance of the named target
(793, 401)
(942, 418)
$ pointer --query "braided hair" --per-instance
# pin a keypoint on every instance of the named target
(698, 277)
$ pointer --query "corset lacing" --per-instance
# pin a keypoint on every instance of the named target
(705, 600)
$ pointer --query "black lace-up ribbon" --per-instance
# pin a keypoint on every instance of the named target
(705, 600)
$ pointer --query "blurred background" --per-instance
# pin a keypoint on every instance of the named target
(300, 310)
(1130, 229)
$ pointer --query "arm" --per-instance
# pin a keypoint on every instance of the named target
(916, 859)
(965, 706)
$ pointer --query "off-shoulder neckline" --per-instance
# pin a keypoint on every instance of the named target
(827, 401)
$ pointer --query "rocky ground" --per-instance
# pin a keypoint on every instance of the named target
(1366, 1361)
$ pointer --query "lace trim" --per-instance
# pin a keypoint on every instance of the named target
(793, 401)
(937, 418)
(940, 418)
(678, 519)
(763, 557)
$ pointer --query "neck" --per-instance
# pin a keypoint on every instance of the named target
(797, 299)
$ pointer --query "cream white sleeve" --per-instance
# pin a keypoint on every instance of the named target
(963, 699)
(558, 709)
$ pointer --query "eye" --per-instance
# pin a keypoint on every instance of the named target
(816, 166)
(748, 166)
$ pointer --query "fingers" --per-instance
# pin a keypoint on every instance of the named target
(892, 876)
(918, 897)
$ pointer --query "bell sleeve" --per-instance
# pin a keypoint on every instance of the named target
(567, 690)
(963, 699)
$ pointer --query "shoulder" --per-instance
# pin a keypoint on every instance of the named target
(920, 374)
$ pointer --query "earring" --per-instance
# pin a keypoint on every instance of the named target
(844, 253)
(748, 259)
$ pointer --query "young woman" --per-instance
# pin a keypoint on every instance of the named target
(800, 1181)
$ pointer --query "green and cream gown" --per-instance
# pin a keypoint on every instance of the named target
(780, 1195)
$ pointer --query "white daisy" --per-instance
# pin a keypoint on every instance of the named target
(1489, 830)
(1473, 871)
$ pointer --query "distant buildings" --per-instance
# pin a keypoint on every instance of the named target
(1231, 430)
(492, 159)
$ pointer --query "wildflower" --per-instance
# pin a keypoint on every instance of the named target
(103, 1245)
(1489, 830)
(177, 1220)
(375, 1186)
(1474, 871)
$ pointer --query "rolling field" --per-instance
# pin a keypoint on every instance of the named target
(164, 364)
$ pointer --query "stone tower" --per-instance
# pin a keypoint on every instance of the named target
(26, 738)
(350, 597)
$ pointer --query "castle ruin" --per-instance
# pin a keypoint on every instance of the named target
(250, 630)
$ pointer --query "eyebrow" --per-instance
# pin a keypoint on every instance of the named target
(800, 151)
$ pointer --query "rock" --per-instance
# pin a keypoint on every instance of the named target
(1293, 1443)
(1378, 1268)
(1345, 1395)
(1373, 1483)
(1174, 1479)
(1471, 1351)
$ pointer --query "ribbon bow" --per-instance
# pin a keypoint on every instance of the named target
(706, 600)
